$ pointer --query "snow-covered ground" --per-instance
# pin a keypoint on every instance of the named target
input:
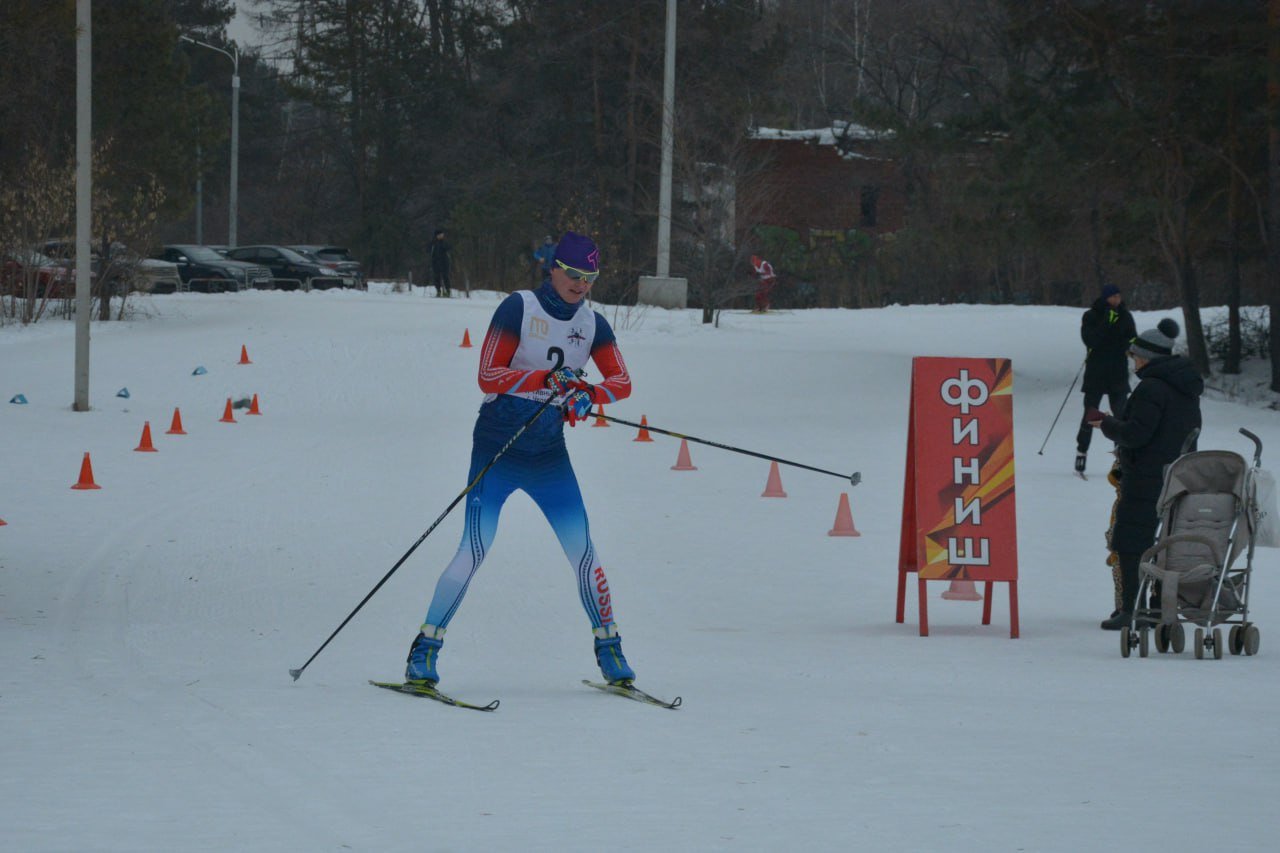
(147, 629)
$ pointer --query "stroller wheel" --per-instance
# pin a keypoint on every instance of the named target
(1235, 639)
(1162, 638)
(1252, 639)
(1199, 644)
(1124, 643)
(1144, 642)
(1217, 644)
(1177, 638)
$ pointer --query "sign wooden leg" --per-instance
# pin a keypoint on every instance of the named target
(1013, 610)
(924, 608)
(902, 595)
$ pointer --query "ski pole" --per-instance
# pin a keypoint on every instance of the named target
(1060, 408)
(854, 479)
(297, 673)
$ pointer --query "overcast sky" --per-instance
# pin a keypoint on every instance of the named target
(240, 30)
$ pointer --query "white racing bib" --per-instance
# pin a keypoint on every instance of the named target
(549, 344)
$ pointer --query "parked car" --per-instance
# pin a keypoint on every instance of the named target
(291, 269)
(54, 279)
(336, 258)
(205, 271)
(145, 274)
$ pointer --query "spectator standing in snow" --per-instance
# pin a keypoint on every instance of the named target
(765, 283)
(544, 257)
(1106, 329)
(537, 342)
(1162, 411)
(441, 260)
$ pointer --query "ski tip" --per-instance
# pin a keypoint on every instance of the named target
(296, 673)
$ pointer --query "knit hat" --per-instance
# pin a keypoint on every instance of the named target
(1109, 290)
(1157, 342)
(579, 252)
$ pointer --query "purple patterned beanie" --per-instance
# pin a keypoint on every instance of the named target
(579, 252)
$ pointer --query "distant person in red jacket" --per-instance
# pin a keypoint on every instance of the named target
(768, 278)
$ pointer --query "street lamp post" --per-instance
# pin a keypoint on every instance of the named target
(84, 197)
(663, 289)
(668, 134)
(234, 195)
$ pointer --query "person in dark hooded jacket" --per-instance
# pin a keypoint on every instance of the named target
(1106, 329)
(1149, 434)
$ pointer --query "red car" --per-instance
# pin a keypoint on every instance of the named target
(36, 274)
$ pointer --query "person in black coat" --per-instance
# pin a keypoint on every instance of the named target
(1106, 329)
(440, 253)
(1161, 413)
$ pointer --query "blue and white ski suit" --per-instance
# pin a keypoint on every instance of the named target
(533, 333)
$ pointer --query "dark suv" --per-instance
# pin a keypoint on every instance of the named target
(336, 258)
(205, 271)
(289, 269)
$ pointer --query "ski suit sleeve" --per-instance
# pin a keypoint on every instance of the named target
(616, 384)
(496, 375)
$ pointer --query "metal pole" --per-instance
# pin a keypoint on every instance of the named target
(1070, 388)
(235, 150)
(84, 196)
(854, 479)
(668, 128)
(233, 199)
(199, 199)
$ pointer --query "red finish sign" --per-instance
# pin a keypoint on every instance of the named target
(959, 520)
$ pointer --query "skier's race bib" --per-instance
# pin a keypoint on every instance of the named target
(549, 344)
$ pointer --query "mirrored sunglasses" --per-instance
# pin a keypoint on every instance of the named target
(577, 274)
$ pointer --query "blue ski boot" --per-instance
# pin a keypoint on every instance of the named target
(613, 665)
(421, 668)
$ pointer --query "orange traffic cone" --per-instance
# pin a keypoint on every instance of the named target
(3, 522)
(643, 435)
(253, 407)
(244, 355)
(773, 488)
(466, 338)
(175, 428)
(962, 591)
(145, 446)
(683, 462)
(86, 475)
(227, 416)
(844, 519)
(600, 421)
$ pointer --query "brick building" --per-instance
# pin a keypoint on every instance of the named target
(822, 183)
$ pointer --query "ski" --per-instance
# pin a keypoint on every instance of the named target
(633, 692)
(427, 692)
(1081, 475)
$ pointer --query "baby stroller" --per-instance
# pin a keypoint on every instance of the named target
(1213, 509)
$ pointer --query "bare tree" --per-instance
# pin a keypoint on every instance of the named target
(35, 206)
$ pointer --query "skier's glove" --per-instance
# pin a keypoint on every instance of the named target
(563, 380)
(578, 404)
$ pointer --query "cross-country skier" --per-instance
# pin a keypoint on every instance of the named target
(1106, 329)
(536, 344)
(764, 286)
